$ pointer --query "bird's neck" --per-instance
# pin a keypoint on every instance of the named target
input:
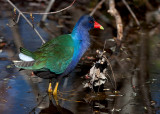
(80, 34)
(81, 40)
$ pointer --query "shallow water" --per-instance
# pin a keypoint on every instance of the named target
(22, 92)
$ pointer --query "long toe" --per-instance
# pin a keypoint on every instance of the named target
(50, 88)
(55, 93)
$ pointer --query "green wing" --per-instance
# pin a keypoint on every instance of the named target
(55, 55)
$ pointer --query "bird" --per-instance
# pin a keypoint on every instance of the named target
(59, 56)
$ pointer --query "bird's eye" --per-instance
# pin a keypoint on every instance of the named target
(90, 21)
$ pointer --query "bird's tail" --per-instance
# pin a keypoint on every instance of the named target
(24, 64)
(26, 61)
(26, 55)
(26, 52)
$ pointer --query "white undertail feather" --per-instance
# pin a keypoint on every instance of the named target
(25, 57)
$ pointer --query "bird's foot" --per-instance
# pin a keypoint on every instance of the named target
(55, 93)
(50, 88)
(50, 96)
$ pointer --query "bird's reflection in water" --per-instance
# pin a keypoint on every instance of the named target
(52, 109)
(46, 106)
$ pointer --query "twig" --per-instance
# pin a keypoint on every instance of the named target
(112, 72)
(15, 22)
(64, 99)
(104, 45)
(97, 6)
(113, 11)
(51, 12)
(17, 38)
(149, 6)
(48, 9)
(130, 10)
(20, 13)
(38, 104)
(18, 18)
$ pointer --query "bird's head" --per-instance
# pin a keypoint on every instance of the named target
(88, 23)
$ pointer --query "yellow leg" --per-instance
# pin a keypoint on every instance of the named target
(50, 96)
(55, 92)
(50, 87)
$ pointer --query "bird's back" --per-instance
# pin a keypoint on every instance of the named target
(56, 54)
